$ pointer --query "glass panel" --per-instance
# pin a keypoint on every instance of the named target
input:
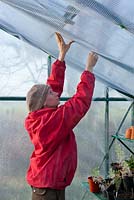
(122, 137)
(91, 144)
(114, 93)
(15, 147)
(117, 112)
(15, 150)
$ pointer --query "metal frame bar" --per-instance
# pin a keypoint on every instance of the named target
(13, 98)
(125, 146)
(49, 62)
(107, 131)
(132, 114)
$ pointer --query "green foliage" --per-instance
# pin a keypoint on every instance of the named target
(130, 162)
(119, 152)
(111, 173)
(117, 181)
(95, 171)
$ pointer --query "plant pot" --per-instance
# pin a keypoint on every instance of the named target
(110, 192)
(132, 132)
(110, 196)
(128, 133)
(128, 183)
(93, 186)
(125, 196)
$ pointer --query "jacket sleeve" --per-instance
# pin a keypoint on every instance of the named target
(76, 107)
(56, 78)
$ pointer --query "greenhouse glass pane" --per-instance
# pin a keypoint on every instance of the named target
(16, 148)
(117, 112)
(114, 93)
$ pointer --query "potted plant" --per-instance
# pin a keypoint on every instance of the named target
(130, 163)
(128, 178)
(94, 180)
(121, 174)
(123, 179)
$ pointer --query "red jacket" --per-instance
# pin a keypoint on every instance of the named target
(54, 159)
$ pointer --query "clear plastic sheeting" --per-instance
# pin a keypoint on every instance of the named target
(102, 26)
(22, 66)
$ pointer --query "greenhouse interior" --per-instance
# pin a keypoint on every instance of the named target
(28, 48)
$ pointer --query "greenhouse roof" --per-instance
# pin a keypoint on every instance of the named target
(102, 26)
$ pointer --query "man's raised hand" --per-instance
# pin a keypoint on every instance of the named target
(91, 61)
(63, 47)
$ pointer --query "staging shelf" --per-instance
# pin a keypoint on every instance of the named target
(121, 137)
(87, 191)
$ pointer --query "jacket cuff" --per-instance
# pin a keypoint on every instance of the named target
(59, 63)
(90, 74)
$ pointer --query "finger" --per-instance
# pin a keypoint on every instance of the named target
(96, 58)
(94, 54)
(57, 37)
(91, 53)
(60, 37)
(72, 41)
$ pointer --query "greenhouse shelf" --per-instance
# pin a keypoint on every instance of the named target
(121, 137)
(85, 185)
(122, 140)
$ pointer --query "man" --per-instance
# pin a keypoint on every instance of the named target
(50, 127)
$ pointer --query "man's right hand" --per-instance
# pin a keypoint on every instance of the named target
(91, 61)
(63, 47)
